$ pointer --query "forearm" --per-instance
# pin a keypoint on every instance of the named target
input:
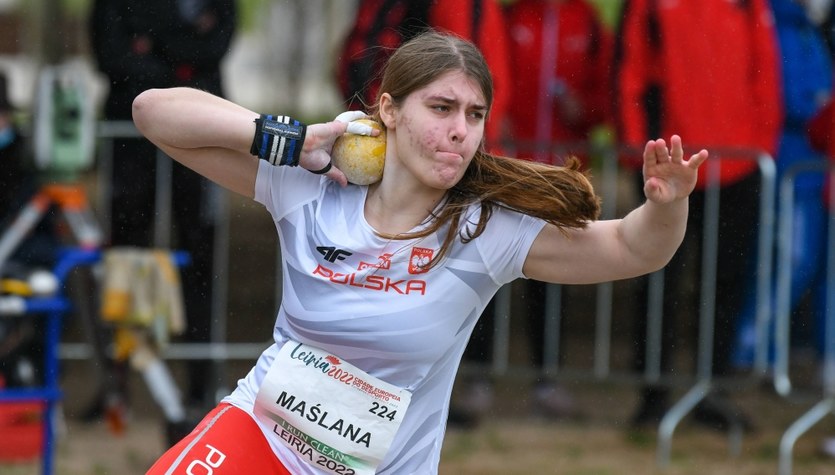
(187, 118)
(653, 232)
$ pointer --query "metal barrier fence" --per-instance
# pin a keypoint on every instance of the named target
(782, 379)
(608, 172)
(702, 381)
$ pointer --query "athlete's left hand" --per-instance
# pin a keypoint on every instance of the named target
(667, 176)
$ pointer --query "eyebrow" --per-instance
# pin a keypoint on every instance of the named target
(449, 100)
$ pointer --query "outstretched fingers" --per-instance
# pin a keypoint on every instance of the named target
(677, 152)
(697, 159)
(667, 174)
(656, 152)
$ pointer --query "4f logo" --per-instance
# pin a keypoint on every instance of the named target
(332, 254)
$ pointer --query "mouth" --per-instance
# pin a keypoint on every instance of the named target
(448, 167)
(450, 157)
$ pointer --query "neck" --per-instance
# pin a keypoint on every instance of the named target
(396, 210)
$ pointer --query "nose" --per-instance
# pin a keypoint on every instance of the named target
(458, 128)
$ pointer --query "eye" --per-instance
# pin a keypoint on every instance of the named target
(441, 107)
(477, 115)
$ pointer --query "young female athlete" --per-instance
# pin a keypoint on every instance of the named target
(382, 284)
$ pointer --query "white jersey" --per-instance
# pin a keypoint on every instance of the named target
(370, 301)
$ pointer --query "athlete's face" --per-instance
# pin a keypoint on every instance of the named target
(437, 129)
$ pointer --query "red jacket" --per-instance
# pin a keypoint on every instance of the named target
(560, 52)
(821, 132)
(373, 29)
(715, 66)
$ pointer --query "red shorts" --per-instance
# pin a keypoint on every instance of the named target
(227, 441)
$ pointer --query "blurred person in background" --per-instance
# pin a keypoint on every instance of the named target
(141, 44)
(821, 132)
(20, 349)
(560, 56)
(807, 86)
(733, 102)
(17, 180)
(379, 27)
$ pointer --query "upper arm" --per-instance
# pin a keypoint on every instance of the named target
(581, 256)
(232, 170)
(204, 132)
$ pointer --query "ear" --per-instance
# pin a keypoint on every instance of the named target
(387, 110)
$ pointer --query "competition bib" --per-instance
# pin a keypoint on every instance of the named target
(332, 414)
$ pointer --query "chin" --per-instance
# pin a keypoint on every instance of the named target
(446, 178)
(445, 184)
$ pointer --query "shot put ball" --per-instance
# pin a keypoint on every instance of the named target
(361, 157)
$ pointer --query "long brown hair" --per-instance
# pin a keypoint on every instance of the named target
(560, 195)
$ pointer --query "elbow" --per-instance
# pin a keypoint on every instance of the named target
(660, 259)
(142, 108)
(647, 261)
(658, 265)
(661, 255)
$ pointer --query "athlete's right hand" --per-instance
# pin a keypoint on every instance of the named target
(318, 142)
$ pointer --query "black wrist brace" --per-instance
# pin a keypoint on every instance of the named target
(278, 139)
